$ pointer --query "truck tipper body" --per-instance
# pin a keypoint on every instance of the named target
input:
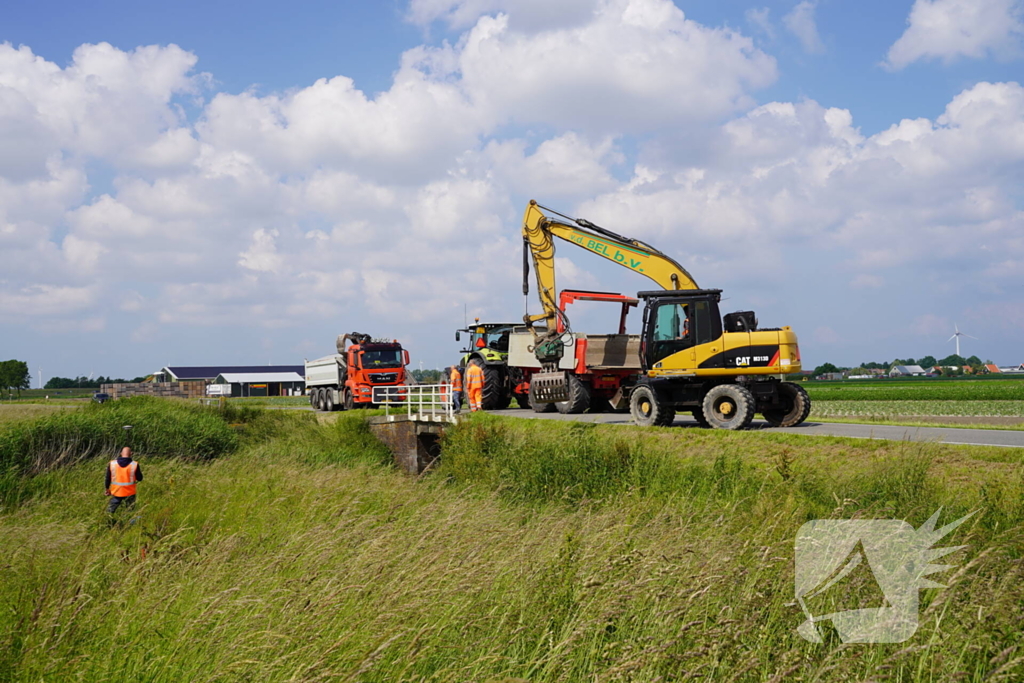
(347, 379)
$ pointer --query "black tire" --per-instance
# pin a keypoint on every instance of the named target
(797, 406)
(505, 401)
(539, 407)
(319, 398)
(328, 400)
(729, 406)
(312, 398)
(579, 398)
(495, 396)
(702, 421)
(347, 400)
(647, 410)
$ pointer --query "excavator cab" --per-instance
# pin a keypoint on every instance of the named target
(675, 322)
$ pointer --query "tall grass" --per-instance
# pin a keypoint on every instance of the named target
(618, 555)
(159, 428)
(581, 462)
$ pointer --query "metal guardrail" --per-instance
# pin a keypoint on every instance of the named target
(431, 402)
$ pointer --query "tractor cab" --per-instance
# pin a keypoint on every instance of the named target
(488, 339)
(487, 346)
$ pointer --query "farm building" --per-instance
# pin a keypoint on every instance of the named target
(243, 384)
(1012, 369)
(208, 373)
(992, 368)
(907, 371)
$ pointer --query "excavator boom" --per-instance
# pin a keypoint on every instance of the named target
(538, 231)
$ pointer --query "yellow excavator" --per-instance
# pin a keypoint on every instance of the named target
(721, 369)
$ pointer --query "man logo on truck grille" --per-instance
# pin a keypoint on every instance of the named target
(885, 556)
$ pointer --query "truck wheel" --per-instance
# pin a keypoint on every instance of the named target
(579, 398)
(312, 398)
(347, 400)
(729, 406)
(647, 410)
(329, 400)
(796, 406)
(318, 394)
(539, 407)
(494, 395)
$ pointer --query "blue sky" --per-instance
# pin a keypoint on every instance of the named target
(213, 203)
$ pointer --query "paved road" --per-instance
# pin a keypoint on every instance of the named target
(950, 435)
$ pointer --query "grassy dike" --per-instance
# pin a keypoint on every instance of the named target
(538, 551)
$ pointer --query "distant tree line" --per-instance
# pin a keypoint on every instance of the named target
(14, 376)
(85, 382)
(427, 376)
(951, 361)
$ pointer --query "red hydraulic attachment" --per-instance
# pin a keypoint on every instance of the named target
(569, 296)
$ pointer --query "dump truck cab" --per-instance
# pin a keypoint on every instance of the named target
(348, 378)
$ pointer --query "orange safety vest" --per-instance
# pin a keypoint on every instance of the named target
(474, 377)
(456, 380)
(122, 479)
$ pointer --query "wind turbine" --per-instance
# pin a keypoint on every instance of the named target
(956, 335)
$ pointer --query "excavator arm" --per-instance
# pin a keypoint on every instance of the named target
(538, 232)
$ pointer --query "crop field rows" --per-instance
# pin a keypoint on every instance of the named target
(918, 408)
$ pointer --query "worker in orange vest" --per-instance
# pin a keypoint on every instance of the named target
(475, 386)
(455, 380)
(123, 474)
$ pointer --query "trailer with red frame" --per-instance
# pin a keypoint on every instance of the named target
(599, 365)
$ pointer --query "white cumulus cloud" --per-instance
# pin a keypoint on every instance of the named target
(952, 29)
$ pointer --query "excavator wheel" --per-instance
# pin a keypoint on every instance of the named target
(798, 406)
(702, 421)
(579, 397)
(647, 410)
(539, 407)
(494, 395)
(729, 406)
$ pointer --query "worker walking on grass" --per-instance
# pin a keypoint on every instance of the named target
(123, 474)
(475, 386)
(455, 381)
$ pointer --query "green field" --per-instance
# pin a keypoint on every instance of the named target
(917, 390)
(286, 549)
